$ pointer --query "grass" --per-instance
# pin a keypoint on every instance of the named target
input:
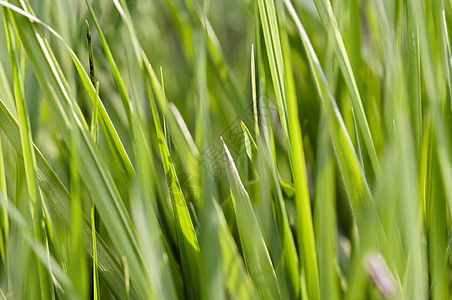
(196, 149)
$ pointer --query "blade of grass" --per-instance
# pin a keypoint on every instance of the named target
(352, 173)
(279, 60)
(186, 236)
(95, 136)
(290, 260)
(255, 252)
(254, 92)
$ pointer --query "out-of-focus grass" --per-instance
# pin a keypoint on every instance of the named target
(331, 179)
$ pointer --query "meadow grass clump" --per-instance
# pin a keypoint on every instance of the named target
(196, 149)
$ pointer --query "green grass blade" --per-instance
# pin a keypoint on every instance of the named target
(250, 144)
(255, 252)
(352, 173)
(290, 257)
(186, 236)
(279, 60)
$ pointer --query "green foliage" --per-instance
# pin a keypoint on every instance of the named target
(294, 149)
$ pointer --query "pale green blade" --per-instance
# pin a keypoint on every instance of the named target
(186, 236)
(352, 173)
(279, 59)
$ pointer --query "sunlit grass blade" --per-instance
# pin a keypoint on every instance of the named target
(256, 255)
(352, 173)
(281, 70)
(187, 240)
